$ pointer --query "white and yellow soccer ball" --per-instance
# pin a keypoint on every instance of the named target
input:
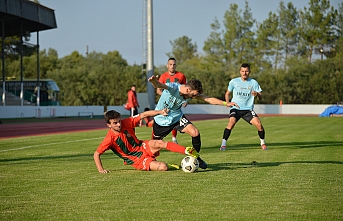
(189, 164)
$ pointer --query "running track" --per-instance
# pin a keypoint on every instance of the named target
(34, 129)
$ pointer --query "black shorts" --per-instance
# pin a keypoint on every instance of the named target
(247, 115)
(133, 112)
(161, 132)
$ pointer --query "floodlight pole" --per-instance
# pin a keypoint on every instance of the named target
(38, 71)
(21, 65)
(3, 64)
(150, 60)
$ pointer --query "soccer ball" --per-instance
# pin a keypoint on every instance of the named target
(189, 164)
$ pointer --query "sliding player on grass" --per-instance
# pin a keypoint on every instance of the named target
(141, 154)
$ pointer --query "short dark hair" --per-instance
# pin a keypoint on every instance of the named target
(110, 115)
(195, 85)
(146, 109)
(173, 59)
(245, 65)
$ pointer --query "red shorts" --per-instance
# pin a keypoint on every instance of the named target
(145, 160)
(150, 123)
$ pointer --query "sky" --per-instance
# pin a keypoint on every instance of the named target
(108, 25)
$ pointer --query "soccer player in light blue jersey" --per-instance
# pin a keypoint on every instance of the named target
(244, 90)
(172, 98)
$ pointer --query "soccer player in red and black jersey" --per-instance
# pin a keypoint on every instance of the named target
(141, 154)
(172, 76)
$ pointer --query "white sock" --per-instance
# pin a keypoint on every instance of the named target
(224, 143)
(262, 142)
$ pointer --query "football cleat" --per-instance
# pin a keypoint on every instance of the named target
(223, 148)
(202, 164)
(264, 147)
(173, 166)
(191, 152)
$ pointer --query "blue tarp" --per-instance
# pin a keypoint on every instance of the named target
(332, 110)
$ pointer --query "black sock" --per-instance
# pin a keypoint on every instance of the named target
(226, 134)
(196, 142)
(261, 134)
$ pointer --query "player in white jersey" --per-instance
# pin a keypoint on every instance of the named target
(244, 90)
(172, 98)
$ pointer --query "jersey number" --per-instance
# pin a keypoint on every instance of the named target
(183, 121)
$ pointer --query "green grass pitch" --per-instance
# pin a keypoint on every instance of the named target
(300, 177)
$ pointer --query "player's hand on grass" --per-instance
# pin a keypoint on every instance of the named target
(104, 171)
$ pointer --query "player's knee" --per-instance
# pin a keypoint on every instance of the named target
(160, 144)
(162, 166)
(196, 133)
(259, 126)
(193, 131)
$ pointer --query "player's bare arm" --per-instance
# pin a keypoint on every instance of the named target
(153, 113)
(98, 163)
(159, 91)
(215, 101)
(227, 95)
(153, 80)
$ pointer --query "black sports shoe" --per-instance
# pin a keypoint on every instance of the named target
(202, 164)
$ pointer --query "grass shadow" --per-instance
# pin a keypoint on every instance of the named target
(234, 166)
(35, 158)
(317, 144)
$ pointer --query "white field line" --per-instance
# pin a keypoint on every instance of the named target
(49, 144)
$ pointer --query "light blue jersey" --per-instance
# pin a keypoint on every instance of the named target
(241, 91)
(172, 100)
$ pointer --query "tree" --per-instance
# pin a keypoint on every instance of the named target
(339, 26)
(317, 26)
(227, 48)
(183, 49)
(267, 43)
(214, 49)
(245, 43)
(289, 31)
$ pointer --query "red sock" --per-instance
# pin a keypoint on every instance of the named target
(175, 147)
(174, 133)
